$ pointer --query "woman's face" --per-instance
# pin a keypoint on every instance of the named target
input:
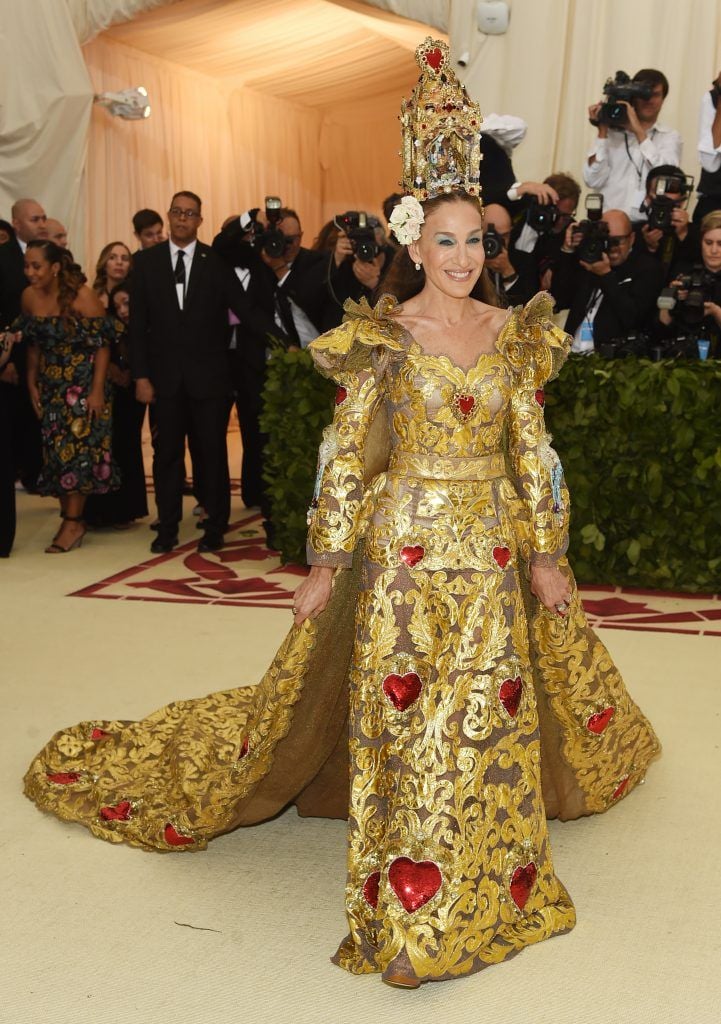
(711, 250)
(121, 302)
(117, 263)
(451, 248)
(39, 271)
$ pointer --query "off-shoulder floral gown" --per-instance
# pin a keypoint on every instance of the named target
(467, 713)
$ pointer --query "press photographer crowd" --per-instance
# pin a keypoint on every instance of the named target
(185, 330)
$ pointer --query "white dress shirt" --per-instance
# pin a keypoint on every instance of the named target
(189, 251)
(505, 129)
(709, 155)
(305, 329)
(622, 165)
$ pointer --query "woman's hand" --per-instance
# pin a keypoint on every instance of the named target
(35, 400)
(551, 588)
(313, 594)
(95, 402)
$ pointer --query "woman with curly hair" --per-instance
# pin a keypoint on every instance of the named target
(114, 264)
(68, 355)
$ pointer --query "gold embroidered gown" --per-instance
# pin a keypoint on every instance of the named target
(471, 713)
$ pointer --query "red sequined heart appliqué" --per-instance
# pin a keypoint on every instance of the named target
(463, 405)
(522, 881)
(402, 691)
(341, 395)
(412, 554)
(118, 812)
(598, 722)
(414, 882)
(502, 555)
(509, 694)
(540, 397)
(99, 734)
(434, 58)
(620, 788)
(370, 889)
(174, 838)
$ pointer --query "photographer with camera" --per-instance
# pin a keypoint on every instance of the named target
(360, 257)
(709, 152)
(668, 233)
(607, 285)
(513, 273)
(689, 310)
(542, 229)
(630, 141)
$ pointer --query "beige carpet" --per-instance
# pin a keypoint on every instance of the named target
(95, 933)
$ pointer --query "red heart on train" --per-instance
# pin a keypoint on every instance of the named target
(522, 881)
(414, 882)
(466, 403)
(118, 812)
(402, 691)
(63, 778)
(540, 396)
(502, 555)
(598, 722)
(509, 694)
(412, 554)
(99, 734)
(173, 838)
(341, 395)
(370, 889)
(434, 58)
(620, 788)
(244, 748)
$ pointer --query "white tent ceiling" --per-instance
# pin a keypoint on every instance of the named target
(314, 52)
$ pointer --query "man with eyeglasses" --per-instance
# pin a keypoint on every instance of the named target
(181, 292)
(30, 222)
(612, 296)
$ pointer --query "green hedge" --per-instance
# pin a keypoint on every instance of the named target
(641, 447)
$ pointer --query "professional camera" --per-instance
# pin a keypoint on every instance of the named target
(662, 205)
(542, 218)
(493, 244)
(617, 90)
(270, 239)
(636, 344)
(593, 231)
(359, 228)
(700, 286)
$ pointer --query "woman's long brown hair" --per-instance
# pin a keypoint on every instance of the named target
(100, 284)
(404, 281)
(70, 276)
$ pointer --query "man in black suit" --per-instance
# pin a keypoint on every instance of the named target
(612, 296)
(181, 292)
(291, 289)
(29, 221)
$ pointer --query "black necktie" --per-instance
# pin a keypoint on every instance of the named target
(180, 270)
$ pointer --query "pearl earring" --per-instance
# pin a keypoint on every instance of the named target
(418, 266)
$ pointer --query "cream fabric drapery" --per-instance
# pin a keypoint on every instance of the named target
(93, 16)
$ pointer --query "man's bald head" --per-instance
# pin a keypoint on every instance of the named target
(620, 232)
(499, 217)
(619, 223)
(57, 232)
(29, 220)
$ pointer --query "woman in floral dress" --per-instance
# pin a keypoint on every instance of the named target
(68, 355)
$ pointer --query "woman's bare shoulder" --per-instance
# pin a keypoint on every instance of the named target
(29, 302)
(87, 303)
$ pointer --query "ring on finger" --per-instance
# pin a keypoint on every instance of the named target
(562, 607)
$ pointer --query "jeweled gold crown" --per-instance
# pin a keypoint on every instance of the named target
(440, 130)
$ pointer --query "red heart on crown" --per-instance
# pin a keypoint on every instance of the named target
(598, 722)
(509, 694)
(466, 403)
(522, 881)
(98, 734)
(63, 778)
(402, 691)
(434, 58)
(618, 791)
(414, 882)
(341, 395)
(173, 838)
(502, 555)
(412, 554)
(119, 812)
(370, 889)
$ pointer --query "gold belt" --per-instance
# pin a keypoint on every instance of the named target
(436, 467)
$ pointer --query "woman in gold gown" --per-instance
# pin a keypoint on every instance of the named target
(439, 648)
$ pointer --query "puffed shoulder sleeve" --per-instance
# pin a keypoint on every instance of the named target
(357, 356)
(536, 349)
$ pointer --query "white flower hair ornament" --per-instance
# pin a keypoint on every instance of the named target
(406, 220)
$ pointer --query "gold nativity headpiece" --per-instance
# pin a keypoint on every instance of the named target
(440, 129)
